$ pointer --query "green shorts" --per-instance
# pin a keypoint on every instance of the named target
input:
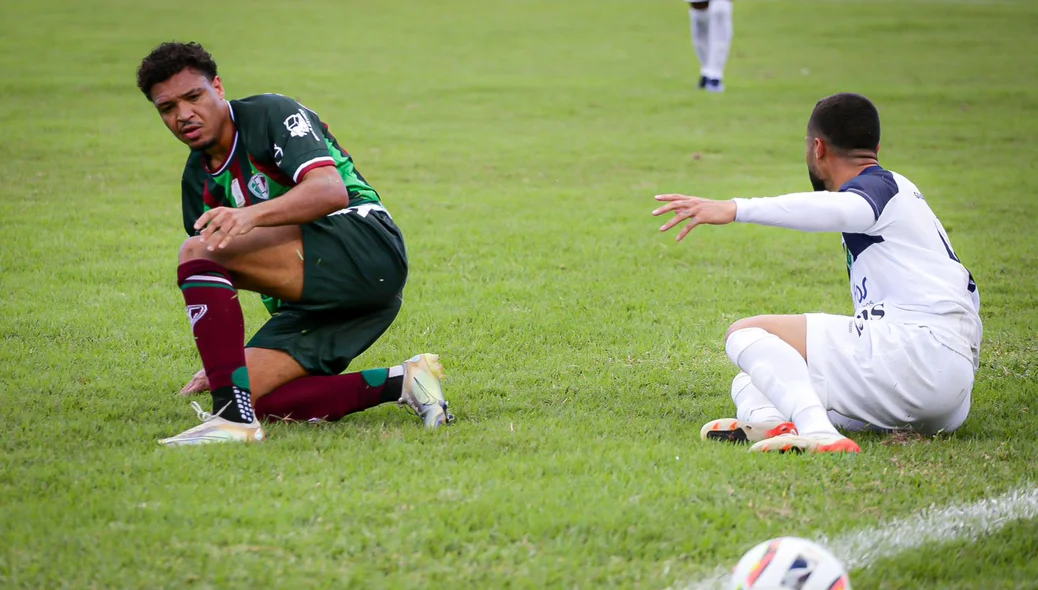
(354, 270)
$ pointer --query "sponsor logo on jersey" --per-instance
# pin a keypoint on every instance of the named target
(259, 186)
(239, 197)
(297, 125)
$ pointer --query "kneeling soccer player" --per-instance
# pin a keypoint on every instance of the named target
(273, 204)
(906, 359)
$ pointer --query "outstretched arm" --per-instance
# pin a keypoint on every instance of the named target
(815, 212)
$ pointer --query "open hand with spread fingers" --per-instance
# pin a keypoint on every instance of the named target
(696, 210)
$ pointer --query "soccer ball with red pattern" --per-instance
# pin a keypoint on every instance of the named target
(789, 563)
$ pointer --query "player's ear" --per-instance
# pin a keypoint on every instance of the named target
(218, 86)
(820, 148)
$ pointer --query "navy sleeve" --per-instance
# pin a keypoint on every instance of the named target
(875, 185)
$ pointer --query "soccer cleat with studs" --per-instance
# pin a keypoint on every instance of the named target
(422, 391)
(215, 429)
(806, 443)
(739, 431)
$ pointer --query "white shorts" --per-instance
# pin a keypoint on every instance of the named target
(876, 373)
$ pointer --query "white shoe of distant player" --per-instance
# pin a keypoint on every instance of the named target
(422, 391)
(806, 443)
(215, 429)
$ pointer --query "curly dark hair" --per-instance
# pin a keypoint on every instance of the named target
(169, 59)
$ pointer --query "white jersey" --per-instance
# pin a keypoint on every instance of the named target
(901, 263)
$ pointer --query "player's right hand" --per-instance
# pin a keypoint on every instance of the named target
(198, 384)
(696, 210)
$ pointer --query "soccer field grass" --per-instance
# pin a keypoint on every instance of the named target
(518, 145)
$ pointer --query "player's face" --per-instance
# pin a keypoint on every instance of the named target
(192, 107)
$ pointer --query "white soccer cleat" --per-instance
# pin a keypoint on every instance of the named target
(738, 431)
(215, 429)
(806, 443)
(422, 391)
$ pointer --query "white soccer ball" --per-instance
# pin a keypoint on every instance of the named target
(789, 563)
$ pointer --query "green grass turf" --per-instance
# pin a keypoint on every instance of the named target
(518, 144)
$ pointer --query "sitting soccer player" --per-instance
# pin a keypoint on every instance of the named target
(906, 359)
(273, 204)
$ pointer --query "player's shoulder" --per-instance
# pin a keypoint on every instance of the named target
(876, 185)
(261, 104)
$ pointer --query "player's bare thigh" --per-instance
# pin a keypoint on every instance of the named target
(266, 260)
(792, 329)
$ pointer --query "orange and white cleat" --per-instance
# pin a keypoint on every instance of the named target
(810, 443)
(738, 431)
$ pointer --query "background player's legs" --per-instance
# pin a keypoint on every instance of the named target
(700, 21)
(772, 351)
(720, 14)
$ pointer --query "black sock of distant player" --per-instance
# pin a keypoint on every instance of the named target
(234, 404)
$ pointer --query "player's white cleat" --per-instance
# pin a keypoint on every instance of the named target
(806, 443)
(215, 429)
(422, 391)
(738, 431)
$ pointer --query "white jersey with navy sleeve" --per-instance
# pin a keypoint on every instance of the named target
(903, 268)
(900, 261)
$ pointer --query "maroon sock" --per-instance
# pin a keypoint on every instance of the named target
(329, 397)
(219, 327)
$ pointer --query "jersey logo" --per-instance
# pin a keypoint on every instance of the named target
(860, 293)
(278, 154)
(297, 125)
(239, 197)
(259, 186)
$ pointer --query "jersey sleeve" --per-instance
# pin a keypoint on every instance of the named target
(876, 189)
(192, 198)
(822, 211)
(296, 135)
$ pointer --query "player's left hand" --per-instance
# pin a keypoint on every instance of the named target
(696, 210)
(220, 225)
(198, 384)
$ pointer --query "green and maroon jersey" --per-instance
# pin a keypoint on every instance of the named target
(276, 142)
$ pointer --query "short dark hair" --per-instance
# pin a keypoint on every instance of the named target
(847, 121)
(169, 59)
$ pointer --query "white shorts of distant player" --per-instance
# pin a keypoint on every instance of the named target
(874, 374)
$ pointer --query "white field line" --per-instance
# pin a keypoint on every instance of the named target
(966, 522)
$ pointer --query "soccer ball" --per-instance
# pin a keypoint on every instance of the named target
(789, 562)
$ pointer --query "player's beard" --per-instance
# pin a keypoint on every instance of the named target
(816, 181)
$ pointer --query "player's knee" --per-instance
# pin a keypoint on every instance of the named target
(739, 325)
(193, 249)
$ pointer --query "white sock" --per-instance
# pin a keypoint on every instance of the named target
(396, 371)
(701, 35)
(780, 373)
(750, 404)
(720, 15)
